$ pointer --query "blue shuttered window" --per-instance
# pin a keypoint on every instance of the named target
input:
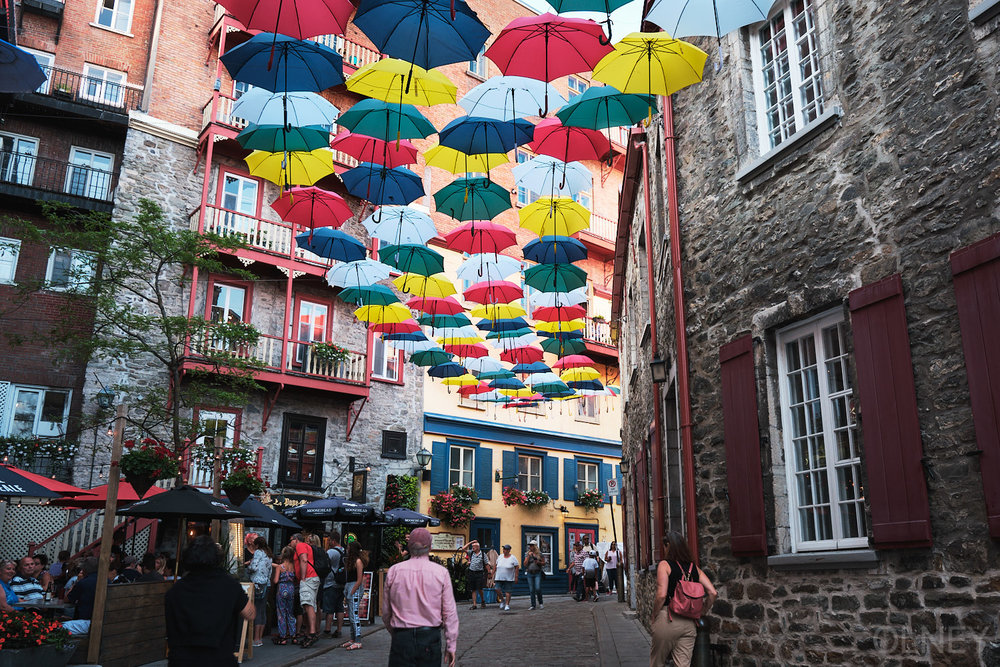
(569, 479)
(603, 480)
(550, 479)
(484, 473)
(621, 482)
(439, 467)
(509, 469)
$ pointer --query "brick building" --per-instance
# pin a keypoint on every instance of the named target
(817, 226)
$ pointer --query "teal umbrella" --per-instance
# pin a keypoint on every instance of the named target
(511, 333)
(555, 277)
(495, 375)
(472, 199)
(551, 388)
(279, 138)
(433, 357)
(602, 107)
(441, 321)
(412, 258)
(373, 295)
(563, 347)
(385, 121)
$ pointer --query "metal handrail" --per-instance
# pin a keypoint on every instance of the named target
(43, 173)
(90, 91)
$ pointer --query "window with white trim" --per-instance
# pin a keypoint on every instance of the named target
(477, 67)
(89, 174)
(524, 195)
(529, 472)
(588, 410)
(37, 411)
(583, 199)
(9, 250)
(385, 360)
(820, 434)
(17, 158)
(586, 476)
(462, 466)
(70, 269)
(545, 541)
(103, 85)
(577, 86)
(45, 60)
(217, 427)
(114, 14)
(788, 88)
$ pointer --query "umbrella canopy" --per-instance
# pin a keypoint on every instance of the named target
(440, 321)
(580, 374)
(332, 244)
(412, 258)
(472, 134)
(260, 515)
(280, 63)
(480, 237)
(19, 71)
(47, 482)
(650, 63)
(471, 389)
(393, 313)
(487, 266)
(601, 107)
(447, 369)
(312, 207)
(408, 326)
(436, 286)
(506, 383)
(460, 381)
(483, 365)
(373, 295)
(381, 185)
(335, 508)
(433, 357)
(561, 347)
(553, 177)
(511, 335)
(531, 369)
(559, 327)
(428, 33)
(467, 350)
(573, 361)
(400, 224)
(404, 339)
(522, 355)
(400, 516)
(559, 313)
(499, 311)
(493, 291)
(510, 97)
(13, 483)
(555, 278)
(436, 306)
(569, 143)
(472, 199)
(300, 19)
(370, 149)
(273, 138)
(98, 496)
(294, 168)
(712, 18)
(185, 502)
(554, 216)
(382, 120)
(551, 249)
(606, 6)
(394, 80)
(360, 273)
(458, 162)
(508, 324)
(550, 299)
(298, 109)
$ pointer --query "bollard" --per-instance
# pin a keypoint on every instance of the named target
(702, 645)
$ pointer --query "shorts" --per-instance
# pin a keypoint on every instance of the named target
(333, 600)
(505, 586)
(308, 588)
(475, 579)
(590, 580)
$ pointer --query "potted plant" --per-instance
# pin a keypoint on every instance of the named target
(536, 499)
(63, 90)
(28, 639)
(592, 499)
(241, 482)
(454, 506)
(330, 354)
(513, 496)
(145, 462)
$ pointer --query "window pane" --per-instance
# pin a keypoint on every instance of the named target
(62, 264)
(26, 404)
(54, 406)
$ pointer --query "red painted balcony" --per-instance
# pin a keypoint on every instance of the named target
(597, 338)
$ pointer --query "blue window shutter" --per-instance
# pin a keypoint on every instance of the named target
(439, 467)
(551, 477)
(569, 479)
(484, 473)
(618, 476)
(509, 469)
(603, 478)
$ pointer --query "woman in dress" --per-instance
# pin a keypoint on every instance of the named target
(674, 636)
(259, 568)
(284, 579)
(354, 567)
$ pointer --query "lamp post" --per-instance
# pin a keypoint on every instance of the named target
(624, 466)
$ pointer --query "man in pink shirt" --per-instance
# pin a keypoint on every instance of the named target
(418, 604)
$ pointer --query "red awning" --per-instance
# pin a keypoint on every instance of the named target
(49, 483)
(98, 496)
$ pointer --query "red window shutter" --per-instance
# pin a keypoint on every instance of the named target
(897, 487)
(748, 536)
(976, 271)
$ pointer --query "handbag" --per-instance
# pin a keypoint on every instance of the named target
(689, 596)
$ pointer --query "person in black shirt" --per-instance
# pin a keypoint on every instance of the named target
(203, 609)
(148, 568)
(130, 574)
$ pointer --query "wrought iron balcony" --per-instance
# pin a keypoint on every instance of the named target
(35, 177)
(89, 91)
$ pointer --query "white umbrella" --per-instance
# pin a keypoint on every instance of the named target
(467, 331)
(298, 109)
(488, 266)
(709, 18)
(359, 273)
(400, 224)
(552, 177)
(545, 377)
(484, 365)
(509, 97)
(554, 299)
(413, 346)
(510, 343)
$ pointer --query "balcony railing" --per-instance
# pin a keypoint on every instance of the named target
(598, 331)
(201, 474)
(605, 228)
(299, 358)
(89, 91)
(223, 113)
(42, 173)
(268, 236)
(355, 55)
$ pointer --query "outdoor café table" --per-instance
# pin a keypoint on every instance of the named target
(51, 609)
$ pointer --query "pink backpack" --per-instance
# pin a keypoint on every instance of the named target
(689, 596)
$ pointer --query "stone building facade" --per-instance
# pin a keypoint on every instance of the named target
(843, 433)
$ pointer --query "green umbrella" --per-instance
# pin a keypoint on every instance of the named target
(555, 277)
(602, 107)
(440, 321)
(495, 375)
(373, 295)
(472, 199)
(385, 121)
(550, 387)
(562, 348)
(277, 138)
(412, 258)
(513, 333)
(432, 357)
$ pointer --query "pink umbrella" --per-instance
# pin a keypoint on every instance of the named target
(547, 47)
(300, 19)
(470, 389)
(480, 237)
(370, 149)
(493, 291)
(573, 361)
(569, 143)
(527, 354)
(312, 207)
(408, 326)
(436, 305)
(463, 350)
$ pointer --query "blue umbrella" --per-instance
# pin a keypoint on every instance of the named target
(427, 33)
(586, 384)
(515, 324)
(19, 71)
(280, 63)
(474, 135)
(448, 369)
(506, 383)
(331, 244)
(405, 337)
(495, 375)
(381, 185)
(535, 367)
(555, 250)
(512, 333)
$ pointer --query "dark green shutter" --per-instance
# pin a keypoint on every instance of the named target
(569, 479)
(439, 467)
(551, 478)
(484, 473)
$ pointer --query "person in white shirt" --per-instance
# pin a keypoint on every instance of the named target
(612, 558)
(591, 568)
(506, 576)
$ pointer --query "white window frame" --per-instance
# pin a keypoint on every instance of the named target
(115, 13)
(20, 173)
(588, 410)
(816, 327)
(552, 537)
(46, 61)
(478, 67)
(201, 474)
(576, 86)
(580, 197)
(524, 195)
(10, 249)
(104, 190)
(58, 431)
(526, 480)
(108, 84)
(459, 474)
(83, 269)
(309, 307)
(385, 370)
(588, 476)
(802, 112)
(226, 290)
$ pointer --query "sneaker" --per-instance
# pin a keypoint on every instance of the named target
(506, 607)
(531, 608)
(541, 606)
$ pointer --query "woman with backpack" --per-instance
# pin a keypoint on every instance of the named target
(683, 594)
(356, 561)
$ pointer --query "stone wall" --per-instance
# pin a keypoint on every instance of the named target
(906, 175)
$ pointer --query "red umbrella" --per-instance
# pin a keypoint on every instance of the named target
(300, 19)
(49, 483)
(569, 143)
(470, 389)
(436, 305)
(474, 351)
(99, 496)
(494, 291)
(480, 237)
(527, 354)
(396, 327)
(559, 313)
(370, 149)
(312, 207)
(573, 361)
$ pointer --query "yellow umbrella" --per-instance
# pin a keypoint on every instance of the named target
(651, 63)
(393, 80)
(457, 162)
(460, 340)
(554, 327)
(293, 167)
(426, 286)
(460, 380)
(554, 216)
(524, 392)
(499, 311)
(582, 374)
(389, 314)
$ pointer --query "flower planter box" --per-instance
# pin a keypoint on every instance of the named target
(37, 656)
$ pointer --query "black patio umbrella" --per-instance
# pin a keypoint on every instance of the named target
(13, 484)
(334, 508)
(185, 502)
(264, 516)
(401, 516)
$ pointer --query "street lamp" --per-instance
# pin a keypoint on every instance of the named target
(659, 369)
(624, 466)
(105, 398)
(423, 460)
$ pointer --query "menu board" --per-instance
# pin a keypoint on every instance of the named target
(365, 606)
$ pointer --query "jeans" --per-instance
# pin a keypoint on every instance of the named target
(352, 611)
(612, 577)
(535, 587)
(415, 647)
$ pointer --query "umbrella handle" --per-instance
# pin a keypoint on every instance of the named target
(603, 41)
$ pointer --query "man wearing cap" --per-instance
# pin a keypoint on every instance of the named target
(506, 576)
(418, 604)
